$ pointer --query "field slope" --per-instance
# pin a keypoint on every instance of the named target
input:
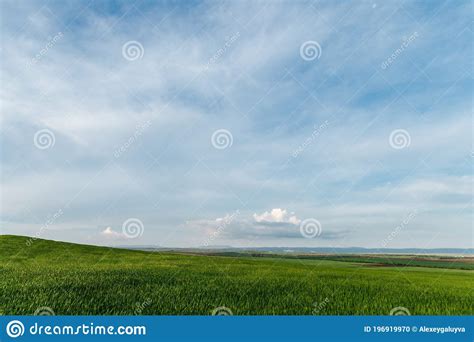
(74, 279)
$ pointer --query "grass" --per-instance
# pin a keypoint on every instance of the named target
(74, 279)
(450, 262)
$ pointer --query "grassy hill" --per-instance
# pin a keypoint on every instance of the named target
(74, 279)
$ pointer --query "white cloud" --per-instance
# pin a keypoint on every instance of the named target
(275, 225)
(276, 215)
(112, 234)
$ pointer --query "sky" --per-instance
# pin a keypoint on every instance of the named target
(238, 123)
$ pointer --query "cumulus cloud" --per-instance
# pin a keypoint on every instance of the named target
(273, 225)
(276, 215)
(109, 233)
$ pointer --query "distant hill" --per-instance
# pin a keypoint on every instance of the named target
(316, 250)
(279, 250)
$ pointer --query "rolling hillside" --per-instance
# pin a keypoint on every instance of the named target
(73, 279)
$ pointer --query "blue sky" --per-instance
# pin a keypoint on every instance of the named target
(334, 123)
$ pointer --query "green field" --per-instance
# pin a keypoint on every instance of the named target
(461, 263)
(76, 279)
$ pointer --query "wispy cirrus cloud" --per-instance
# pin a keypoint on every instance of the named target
(237, 66)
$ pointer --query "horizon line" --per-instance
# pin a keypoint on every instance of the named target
(468, 250)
